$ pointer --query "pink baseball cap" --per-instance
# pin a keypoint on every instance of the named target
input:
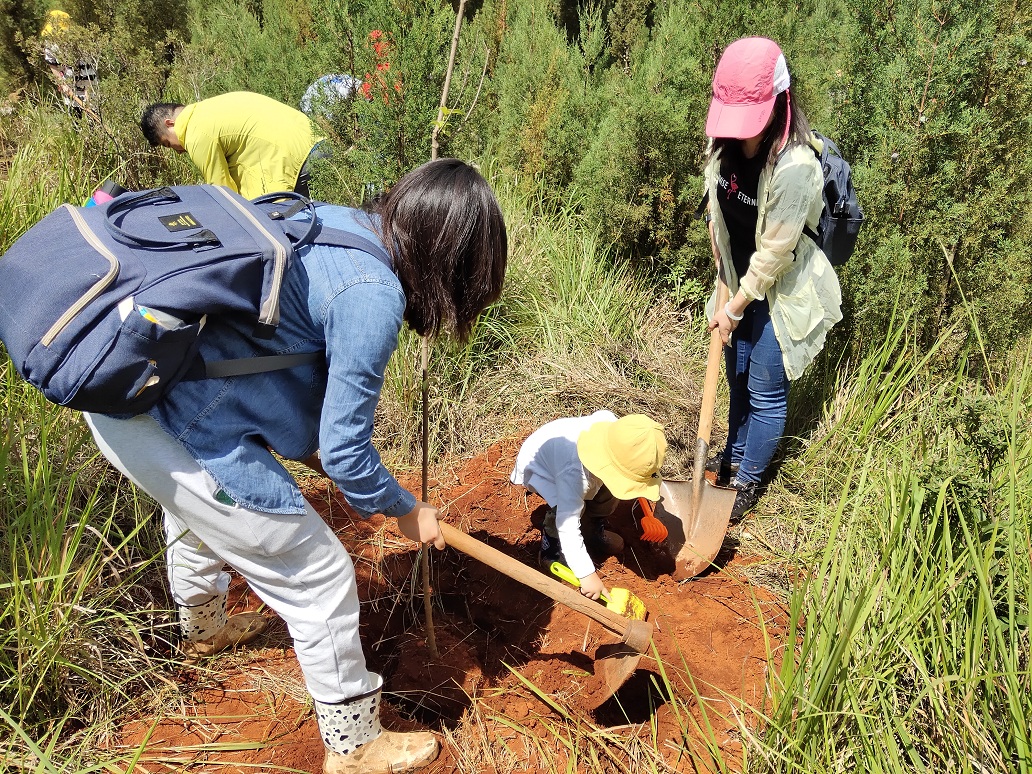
(749, 76)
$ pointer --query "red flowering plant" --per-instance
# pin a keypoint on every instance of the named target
(377, 81)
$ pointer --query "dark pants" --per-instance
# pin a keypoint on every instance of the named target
(321, 150)
(759, 393)
(601, 506)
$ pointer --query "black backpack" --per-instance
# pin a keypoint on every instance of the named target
(842, 217)
(101, 307)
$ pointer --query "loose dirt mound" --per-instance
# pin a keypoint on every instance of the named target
(495, 637)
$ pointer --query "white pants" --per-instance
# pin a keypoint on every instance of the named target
(295, 564)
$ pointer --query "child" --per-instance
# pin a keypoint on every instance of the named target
(582, 466)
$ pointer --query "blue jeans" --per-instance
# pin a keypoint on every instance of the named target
(759, 393)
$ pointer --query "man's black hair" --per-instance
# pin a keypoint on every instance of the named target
(153, 120)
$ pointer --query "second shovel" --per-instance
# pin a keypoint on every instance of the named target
(696, 513)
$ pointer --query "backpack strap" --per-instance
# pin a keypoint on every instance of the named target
(822, 159)
(303, 232)
(336, 237)
(272, 204)
(822, 156)
(313, 230)
(243, 366)
(700, 211)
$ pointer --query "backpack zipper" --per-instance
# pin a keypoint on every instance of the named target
(269, 314)
(95, 290)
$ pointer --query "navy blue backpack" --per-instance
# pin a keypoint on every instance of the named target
(842, 217)
(101, 307)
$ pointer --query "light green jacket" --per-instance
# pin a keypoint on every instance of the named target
(787, 267)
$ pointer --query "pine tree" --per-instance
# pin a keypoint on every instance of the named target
(19, 20)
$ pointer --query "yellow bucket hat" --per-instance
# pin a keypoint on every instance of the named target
(626, 454)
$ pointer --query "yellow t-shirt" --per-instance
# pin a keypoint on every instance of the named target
(248, 142)
(56, 22)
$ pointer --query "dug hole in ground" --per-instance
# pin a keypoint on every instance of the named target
(249, 711)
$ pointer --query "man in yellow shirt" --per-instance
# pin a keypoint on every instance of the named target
(74, 82)
(248, 142)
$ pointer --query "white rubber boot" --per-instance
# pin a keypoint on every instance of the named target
(356, 744)
(207, 629)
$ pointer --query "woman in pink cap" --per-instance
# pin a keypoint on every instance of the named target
(763, 183)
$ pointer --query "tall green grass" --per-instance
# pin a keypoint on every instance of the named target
(80, 603)
(84, 615)
(51, 169)
(913, 622)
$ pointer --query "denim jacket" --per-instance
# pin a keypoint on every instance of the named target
(340, 301)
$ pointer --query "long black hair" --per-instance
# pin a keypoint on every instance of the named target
(444, 229)
(787, 110)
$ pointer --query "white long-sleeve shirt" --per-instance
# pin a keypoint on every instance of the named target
(549, 465)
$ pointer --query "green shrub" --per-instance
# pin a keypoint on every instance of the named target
(934, 115)
(542, 103)
(19, 20)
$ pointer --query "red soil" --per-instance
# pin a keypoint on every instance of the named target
(709, 633)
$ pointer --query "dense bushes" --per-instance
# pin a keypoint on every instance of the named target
(936, 106)
(928, 100)
(19, 19)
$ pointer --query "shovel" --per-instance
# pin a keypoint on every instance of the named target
(614, 662)
(695, 512)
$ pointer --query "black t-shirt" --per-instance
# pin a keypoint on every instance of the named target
(737, 180)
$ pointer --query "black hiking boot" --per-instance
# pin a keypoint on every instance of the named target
(749, 493)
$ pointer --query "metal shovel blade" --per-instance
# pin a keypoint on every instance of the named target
(694, 539)
(616, 662)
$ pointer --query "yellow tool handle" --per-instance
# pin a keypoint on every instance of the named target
(561, 571)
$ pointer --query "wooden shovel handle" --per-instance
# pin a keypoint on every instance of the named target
(528, 576)
(709, 399)
(709, 388)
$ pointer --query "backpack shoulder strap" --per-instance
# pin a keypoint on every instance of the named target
(814, 143)
(820, 145)
(337, 237)
(824, 146)
(821, 154)
(320, 235)
(700, 211)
